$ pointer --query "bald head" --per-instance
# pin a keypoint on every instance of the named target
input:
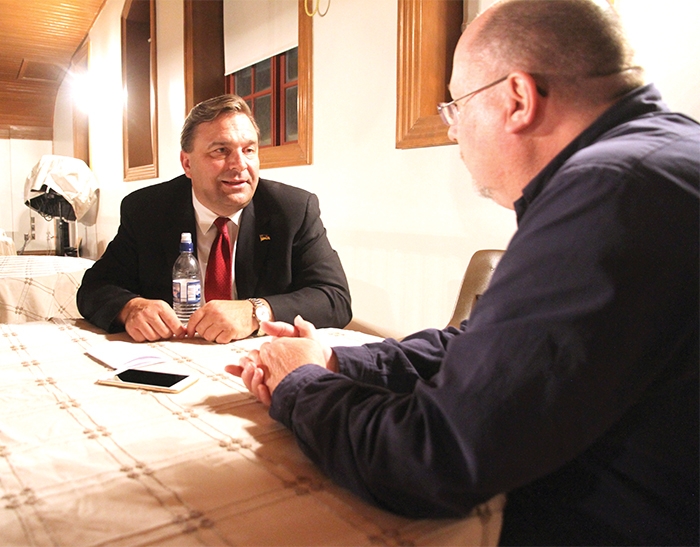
(528, 77)
(579, 46)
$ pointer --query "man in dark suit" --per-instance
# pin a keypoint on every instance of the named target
(283, 262)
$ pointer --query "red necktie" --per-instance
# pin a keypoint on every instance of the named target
(217, 284)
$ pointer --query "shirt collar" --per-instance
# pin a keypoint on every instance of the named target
(205, 217)
(640, 101)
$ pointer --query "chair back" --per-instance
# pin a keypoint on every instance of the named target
(476, 281)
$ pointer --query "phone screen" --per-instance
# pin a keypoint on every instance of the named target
(148, 377)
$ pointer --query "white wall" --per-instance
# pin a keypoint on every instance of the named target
(405, 222)
(17, 158)
(5, 186)
(63, 120)
(667, 43)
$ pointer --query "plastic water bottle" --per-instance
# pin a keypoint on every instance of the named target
(187, 281)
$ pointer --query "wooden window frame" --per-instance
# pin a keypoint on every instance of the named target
(428, 31)
(284, 84)
(148, 170)
(277, 93)
(299, 152)
(81, 124)
(287, 155)
(255, 94)
(204, 50)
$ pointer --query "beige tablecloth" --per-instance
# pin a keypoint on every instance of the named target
(85, 464)
(38, 288)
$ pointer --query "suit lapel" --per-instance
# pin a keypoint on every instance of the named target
(178, 202)
(252, 246)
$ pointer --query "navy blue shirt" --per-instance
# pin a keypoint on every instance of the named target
(573, 386)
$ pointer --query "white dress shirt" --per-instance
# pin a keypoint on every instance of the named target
(206, 233)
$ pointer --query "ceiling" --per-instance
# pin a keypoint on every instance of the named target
(38, 39)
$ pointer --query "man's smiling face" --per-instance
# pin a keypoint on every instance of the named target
(223, 164)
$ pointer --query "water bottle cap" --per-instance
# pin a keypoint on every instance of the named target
(186, 245)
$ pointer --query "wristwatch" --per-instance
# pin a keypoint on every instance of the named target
(260, 312)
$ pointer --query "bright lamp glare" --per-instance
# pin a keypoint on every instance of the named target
(81, 91)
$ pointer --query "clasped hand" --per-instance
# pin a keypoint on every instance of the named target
(218, 321)
(292, 346)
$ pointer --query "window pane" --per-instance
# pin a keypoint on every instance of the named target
(263, 115)
(291, 68)
(243, 82)
(263, 75)
(291, 130)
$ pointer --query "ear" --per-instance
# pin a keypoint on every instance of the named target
(523, 101)
(185, 162)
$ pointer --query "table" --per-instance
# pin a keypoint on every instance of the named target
(85, 464)
(36, 288)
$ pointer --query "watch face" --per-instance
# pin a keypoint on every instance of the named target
(262, 313)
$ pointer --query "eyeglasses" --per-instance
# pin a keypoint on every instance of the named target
(449, 112)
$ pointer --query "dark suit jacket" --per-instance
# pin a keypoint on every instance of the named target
(283, 255)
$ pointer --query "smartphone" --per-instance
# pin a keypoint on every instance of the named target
(148, 379)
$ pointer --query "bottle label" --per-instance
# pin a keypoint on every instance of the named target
(187, 291)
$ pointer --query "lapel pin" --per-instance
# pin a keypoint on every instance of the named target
(264, 237)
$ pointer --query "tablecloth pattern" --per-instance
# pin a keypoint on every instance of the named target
(84, 464)
(38, 288)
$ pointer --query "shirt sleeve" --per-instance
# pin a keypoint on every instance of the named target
(394, 365)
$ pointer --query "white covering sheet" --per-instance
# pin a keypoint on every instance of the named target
(7, 245)
(38, 288)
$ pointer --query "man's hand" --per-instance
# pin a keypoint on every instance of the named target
(283, 355)
(300, 329)
(222, 321)
(150, 320)
(252, 372)
(293, 346)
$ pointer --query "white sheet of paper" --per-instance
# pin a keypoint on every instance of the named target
(120, 355)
